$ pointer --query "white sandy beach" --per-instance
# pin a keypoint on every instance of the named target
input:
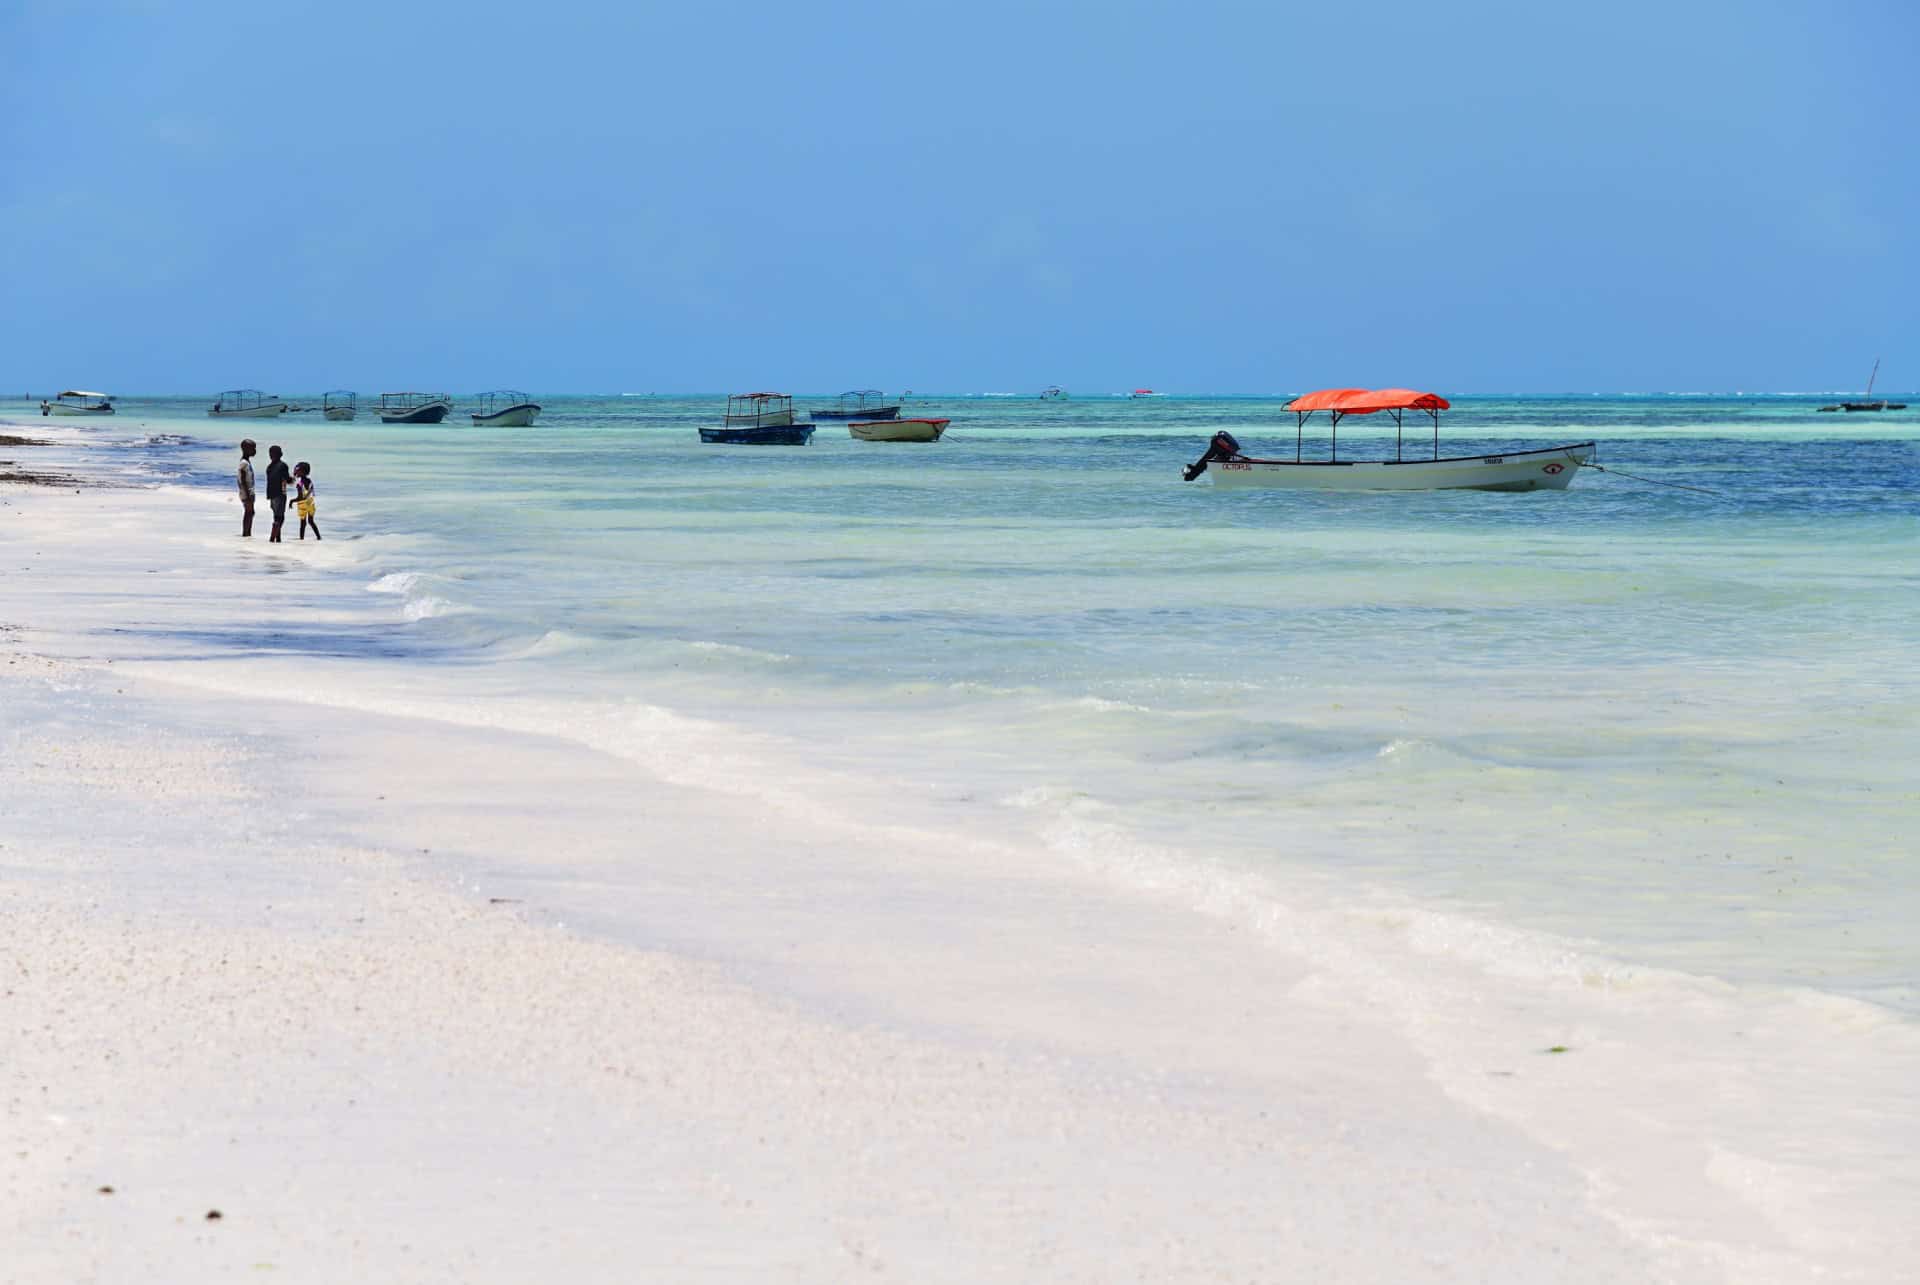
(415, 980)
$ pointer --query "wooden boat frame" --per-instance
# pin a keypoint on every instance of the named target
(413, 408)
(246, 403)
(506, 408)
(868, 404)
(77, 401)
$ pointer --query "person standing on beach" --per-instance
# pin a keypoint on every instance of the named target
(303, 499)
(246, 486)
(277, 475)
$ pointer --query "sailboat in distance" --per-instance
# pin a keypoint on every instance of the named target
(1882, 404)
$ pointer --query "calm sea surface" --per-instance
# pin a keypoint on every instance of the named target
(1682, 726)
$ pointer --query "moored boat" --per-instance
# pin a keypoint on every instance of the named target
(1544, 469)
(78, 401)
(506, 408)
(899, 430)
(861, 404)
(1868, 405)
(759, 419)
(1053, 393)
(340, 404)
(413, 408)
(246, 403)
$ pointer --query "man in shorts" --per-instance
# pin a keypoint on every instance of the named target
(277, 475)
(246, 486)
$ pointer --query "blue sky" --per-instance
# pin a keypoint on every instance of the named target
(989, 196)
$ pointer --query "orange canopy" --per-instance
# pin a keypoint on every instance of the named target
(1363, 401)
(1325, 399)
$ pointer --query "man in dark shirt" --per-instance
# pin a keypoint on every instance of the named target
(277, 475)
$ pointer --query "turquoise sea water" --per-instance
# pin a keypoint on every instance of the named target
(1679, 725)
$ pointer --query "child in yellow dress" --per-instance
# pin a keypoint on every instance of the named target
(303, 498)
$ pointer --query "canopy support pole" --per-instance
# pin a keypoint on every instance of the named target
(1334, 447)
(1299, 431)
(1436, 433)
(1398, 434)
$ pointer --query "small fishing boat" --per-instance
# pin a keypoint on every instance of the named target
(78, 401)
(246, 403)
(1546, 469)
(1053, 393)
(1144, 392)
(413, 408)
(759, 419)
(506, 408)
(861, 403)
(340, 404)
(1880, 405)
(899, 430)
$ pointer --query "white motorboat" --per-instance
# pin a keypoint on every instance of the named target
(505, 408)
(1543, 469)
(899, 430)
(78, 401)
(340, 405)
(246, 403)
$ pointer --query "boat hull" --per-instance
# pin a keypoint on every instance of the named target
(512, 417)
(418, 415)
(865, 413)
(54, 408)
(768, 435)
(1550, 469)
(339, 413)
(249, 412)
(899, 430)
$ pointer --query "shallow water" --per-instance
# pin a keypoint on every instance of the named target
(1678, 725)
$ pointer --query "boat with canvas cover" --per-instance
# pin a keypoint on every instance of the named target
(759, 419)
(340, 405)
(1545, 469)
(506, 408)
(78, 401)
(899, 430)
(413, 408)
(246, 403)
(861, 404)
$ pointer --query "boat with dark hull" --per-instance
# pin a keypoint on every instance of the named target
(1880, 405)
(862, 404)
(413, 408)
(759, 419)
(247, 403)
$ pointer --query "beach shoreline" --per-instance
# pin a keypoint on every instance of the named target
(629, 1021)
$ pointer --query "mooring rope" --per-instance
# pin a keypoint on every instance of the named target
(1650, 481)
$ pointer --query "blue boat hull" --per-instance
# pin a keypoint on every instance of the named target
(785, 435)
(418, 415)
(872, 412)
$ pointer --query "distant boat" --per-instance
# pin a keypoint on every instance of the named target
(861, 403)
(506, 408)
(413, 408)
(78, 401)
(246, 403)
(1053, 393)
(1868, 405)
(899, 430)
(1549, 469)
(340, 404)
(1145, 392)
(759, 419)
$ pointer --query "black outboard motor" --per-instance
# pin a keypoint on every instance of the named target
(1224, 446)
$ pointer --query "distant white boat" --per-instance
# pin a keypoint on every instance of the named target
(1547, 469)
(78, 401)
(246, 403)
(506, 408)
(340, 405)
